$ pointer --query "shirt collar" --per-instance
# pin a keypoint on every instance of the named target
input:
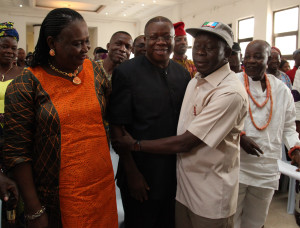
(216, 77)
(182, 59)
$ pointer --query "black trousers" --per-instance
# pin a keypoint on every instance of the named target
(149, 214)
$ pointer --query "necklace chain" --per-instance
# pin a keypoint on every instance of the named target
(3, 74)
(269, 96)
(71, 75)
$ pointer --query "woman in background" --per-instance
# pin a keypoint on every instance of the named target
(284, 66)
(9, 38)
(55, 142)
(273, 67)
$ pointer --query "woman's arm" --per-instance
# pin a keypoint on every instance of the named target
(23, 176)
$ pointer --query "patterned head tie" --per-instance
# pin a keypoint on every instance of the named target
(7, 29)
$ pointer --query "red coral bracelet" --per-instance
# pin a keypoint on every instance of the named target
(292, 150)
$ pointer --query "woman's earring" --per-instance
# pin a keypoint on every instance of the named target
(52, 52)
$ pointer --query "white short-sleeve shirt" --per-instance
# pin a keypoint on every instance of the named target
(213, 109)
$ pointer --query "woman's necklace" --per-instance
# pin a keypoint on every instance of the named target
(3, 74)
(76, 80)
(269, 95)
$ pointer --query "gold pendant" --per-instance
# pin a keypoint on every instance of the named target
(76, 80)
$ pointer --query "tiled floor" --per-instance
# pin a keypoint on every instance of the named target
(278, 217)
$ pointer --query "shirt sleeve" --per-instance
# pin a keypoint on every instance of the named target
(18, 122)
(221, 115)
(290, 135)
(103, 88)
(120, 107)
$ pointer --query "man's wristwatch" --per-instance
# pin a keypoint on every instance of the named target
(137, 146)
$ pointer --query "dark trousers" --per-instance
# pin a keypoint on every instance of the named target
(149, 214)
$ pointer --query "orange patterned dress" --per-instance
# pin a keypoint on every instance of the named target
(86, 181)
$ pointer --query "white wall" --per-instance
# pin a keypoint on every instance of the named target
(105, 29)
(195, 12)
(101, 30)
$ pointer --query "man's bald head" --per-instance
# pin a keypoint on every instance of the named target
(262, 43)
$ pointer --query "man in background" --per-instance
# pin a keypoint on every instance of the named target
(235, 58)
(291, 73)
(138, 47)
(180, 49)
(29, 58)
(100, 53)
(21, 58)
(270, 122)
(119, 50)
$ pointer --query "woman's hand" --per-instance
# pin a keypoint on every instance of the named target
(7, 187)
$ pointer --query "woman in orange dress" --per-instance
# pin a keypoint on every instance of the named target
(55, 141)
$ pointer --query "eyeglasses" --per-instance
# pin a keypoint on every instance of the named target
(166, 38)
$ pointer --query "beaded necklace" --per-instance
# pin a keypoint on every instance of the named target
(3, 74)
(269, 96)
(76, 80)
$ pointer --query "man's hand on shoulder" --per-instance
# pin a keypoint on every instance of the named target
(124, 143)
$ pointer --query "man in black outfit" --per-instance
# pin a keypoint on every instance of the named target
(146, 100)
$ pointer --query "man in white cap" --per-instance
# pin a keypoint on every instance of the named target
(208, 134)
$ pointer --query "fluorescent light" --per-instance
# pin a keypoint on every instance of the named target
(21, 5)
(122, 2)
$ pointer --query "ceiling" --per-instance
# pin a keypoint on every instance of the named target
(117, 9)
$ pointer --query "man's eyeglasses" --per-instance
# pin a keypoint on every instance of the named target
(166, 38)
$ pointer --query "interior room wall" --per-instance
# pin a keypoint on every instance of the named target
(101, 30)
(29, 39)
(106, 29)
(195, 12)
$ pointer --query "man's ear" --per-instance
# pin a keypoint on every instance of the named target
(107, 46)
(228, 51)
(269, 59)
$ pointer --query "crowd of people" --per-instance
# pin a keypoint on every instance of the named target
(198, 140)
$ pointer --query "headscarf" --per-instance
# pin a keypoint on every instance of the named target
(7, 29)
